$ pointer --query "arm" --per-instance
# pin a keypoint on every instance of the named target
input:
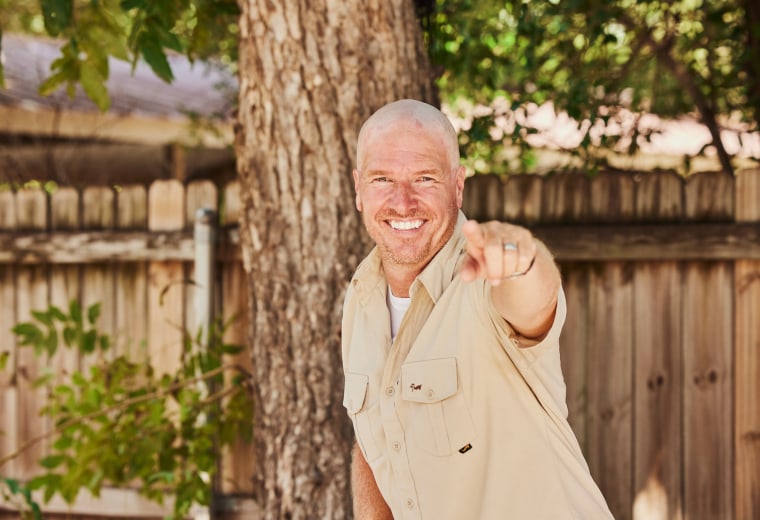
(368, 502)
(527, 301)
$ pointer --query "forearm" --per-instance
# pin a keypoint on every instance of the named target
(529, 302)
(368, 501)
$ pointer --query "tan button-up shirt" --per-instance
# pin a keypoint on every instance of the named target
(454, 419)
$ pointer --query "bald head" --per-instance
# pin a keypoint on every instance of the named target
(412, 113)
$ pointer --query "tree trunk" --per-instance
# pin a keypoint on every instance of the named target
(310, 72)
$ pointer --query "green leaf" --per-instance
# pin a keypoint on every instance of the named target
(93, 312)
(51, 84)
(57, 15)
(4, 357)
(12, 484)
(51, 343)
(52, 461)
(155, 56)
(132, 4)
(89, 341)
(42, 380)
(56, 313)
(30, 334)
(75, 310)
(63, 443)
(43, 317)
(69, 336)
(163, 476)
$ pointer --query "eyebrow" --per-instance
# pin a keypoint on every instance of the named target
(430, 171)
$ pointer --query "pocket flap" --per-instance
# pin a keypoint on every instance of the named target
(355, 392)
(429, 381)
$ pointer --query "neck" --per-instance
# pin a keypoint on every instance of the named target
(399, 279)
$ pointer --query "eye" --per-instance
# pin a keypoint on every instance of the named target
(380, 179)
(426, 178)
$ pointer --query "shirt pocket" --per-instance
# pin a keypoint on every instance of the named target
(355, 401)
(439, 420)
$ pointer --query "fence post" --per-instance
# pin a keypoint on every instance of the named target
(204, 235)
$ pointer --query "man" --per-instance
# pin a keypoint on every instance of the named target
(450, 346)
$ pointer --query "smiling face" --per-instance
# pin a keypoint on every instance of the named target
(408, 184)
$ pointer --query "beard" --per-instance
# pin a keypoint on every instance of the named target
(411, 251)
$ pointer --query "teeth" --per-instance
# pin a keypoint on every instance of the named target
(405, 224)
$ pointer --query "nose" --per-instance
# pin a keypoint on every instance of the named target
(404, 198)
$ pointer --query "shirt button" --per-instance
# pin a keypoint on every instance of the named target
(389, 391)
(430, 394)
(410, 503)
(397, 446)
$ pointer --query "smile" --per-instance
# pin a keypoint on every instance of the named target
(405, 225)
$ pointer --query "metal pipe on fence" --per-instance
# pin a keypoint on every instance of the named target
(204, 246)
(204, 234)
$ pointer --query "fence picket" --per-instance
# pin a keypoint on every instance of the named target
(610, 352)
(64, 278)
(657, 392)
(237, 461)
(31, 294)
(132, 278)
(565, 198)
(166, 287)
(132, 208)
(485, 203)
(659, 197)
(747, 358)
(7, 210)
(522, 199)
(9, 439)
(574, 348)
(231, 204)
(611, 198)
(710, 196)
(707, 368)
(658, 407)
(98, 283)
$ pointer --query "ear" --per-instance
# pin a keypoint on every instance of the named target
(356, 190)
(460, 176)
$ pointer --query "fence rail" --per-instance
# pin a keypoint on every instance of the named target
(661, 350)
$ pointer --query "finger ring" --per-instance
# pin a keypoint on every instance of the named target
(517, 274)
(509, 246)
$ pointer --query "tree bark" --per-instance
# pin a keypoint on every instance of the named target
(310, 72)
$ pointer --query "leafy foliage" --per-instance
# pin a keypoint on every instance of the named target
(20, 496)
(119, 422)
(94, 30)
(601, 62)
(595, 60)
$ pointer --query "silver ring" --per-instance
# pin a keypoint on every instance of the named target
(509, 246)
(518, 274)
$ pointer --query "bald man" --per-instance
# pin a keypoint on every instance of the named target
(450, 346)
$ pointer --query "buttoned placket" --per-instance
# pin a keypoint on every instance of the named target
(413, 320)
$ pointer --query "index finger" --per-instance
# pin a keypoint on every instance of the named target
(474, 234)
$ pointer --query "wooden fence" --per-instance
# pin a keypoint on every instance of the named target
(132, 250)
(661, 349)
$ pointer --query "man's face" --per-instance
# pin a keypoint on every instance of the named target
(408, 194)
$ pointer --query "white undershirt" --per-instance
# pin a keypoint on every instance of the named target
(397, 307)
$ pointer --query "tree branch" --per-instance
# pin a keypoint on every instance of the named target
(682, 75)
(123, 404)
